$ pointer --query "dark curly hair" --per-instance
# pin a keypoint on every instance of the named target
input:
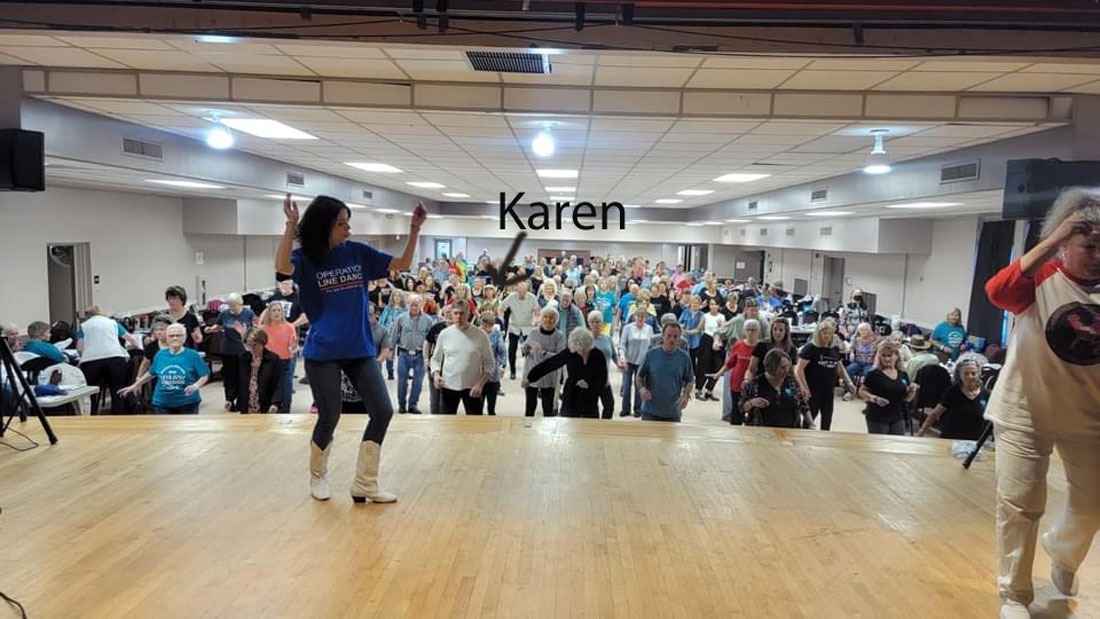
(316, 226)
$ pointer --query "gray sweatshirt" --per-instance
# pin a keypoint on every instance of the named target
(550, 344)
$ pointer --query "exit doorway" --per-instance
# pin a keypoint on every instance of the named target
(69, 279)
(832, 284)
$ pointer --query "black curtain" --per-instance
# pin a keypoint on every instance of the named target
(994, 253)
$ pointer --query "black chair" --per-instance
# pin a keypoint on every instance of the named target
(934, 381)
(33, 367)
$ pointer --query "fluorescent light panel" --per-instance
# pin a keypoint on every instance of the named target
(425, 184)
(561, 189)
(694, 192)
(740, 177)
(557, 173)
(829, 213)
(738, 221)
(453, 194)
(373, 167)
(774, 217)
(267, 128)
(925, 205)
(185, 184)
(668, 201)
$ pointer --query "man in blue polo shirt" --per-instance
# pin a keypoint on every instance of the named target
(666, 378)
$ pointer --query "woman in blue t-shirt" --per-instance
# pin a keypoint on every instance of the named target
(950, 335)
(180, 374)
(332, 273)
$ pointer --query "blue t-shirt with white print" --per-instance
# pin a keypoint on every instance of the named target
(333, 294)
(174, 373)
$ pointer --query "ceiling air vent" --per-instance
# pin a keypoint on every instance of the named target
(509, 62)
(742, 232)
(753, 205)
(819, 195)
(763, 232)
(826, 231)
(960, 172)
(368, 195)
(296, 179)
(138, 148)
(790, 231)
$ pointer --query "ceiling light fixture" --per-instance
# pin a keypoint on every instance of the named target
(695, 224)
(454, 194)
(280, 198)
(185, 184)
(267, 128)
(386, 210)
(374, 167)
(557, 173)
(562, 189)
(668, 201)
(738, 221)
(219, 137)
(632, 206)
(740, 177)
(214, 38)
(543, 144)
(774, 218)
(925, 205)
(425, 184)
(878, 162)
(829, 213)
(694, 192)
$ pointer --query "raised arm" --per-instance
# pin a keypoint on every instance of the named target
(286, 243)
(548, 365)
(404, 261)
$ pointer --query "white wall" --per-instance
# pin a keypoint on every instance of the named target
(938, 282)
(499, 247)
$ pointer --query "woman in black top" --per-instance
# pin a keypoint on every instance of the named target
(586, 375)
(176, 297)
(818, 369)
(961, 407)
(780, 340)
(660, 299)
(886, 389)
(259, 373)
(773, 398)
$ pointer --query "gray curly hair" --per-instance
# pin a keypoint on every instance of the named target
(580, 339)
(1084, 201)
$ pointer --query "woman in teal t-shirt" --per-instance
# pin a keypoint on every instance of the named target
(332, 273)
(180, 374)
(950, 335)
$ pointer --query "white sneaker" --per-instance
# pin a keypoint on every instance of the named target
(1011, 609)
(1064, 580)
(847, 397)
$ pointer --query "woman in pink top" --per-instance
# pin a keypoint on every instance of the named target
(1048, 397)
(282, 339)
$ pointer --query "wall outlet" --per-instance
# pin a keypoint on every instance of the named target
(199, 259)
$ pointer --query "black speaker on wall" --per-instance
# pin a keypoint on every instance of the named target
(22, 160)
(1032, 185)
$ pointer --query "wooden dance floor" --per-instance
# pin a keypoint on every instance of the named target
(211, 516)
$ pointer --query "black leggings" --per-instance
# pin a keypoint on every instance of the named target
(489, 392)
(231, 364)
(547, 397)
(709, 362)
(607, 401)
(366, 377)
(452, 397)
(513, 344)
(112, 372)
(822, 403)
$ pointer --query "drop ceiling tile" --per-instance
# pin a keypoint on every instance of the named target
(1089, 88)
(734, 79)
(445, 70)
(156, 60)
(254, 63)
(970, 66)
(935, 81)
(288, 113)
(794, 127)
(642, 77)
(121, 106)
(365, 68)
(560, 75)
(646, 59)
(423, 52)
(330, 51)
(741, 62)
(862, 64)
(718, 126)
(380, 117)
(1079, 68)
(61, 57)
(5, 59)
(833, 144)
(236, 48)
(836, 80)
(440, 119)
(1033, 82)
(120, 41)
(763, 139)
(965, 131)
(631, 124)
(31, 40)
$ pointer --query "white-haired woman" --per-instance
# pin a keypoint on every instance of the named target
(1048, 396)
(180, 374)
(585, 374)
(864, 346)
(540, 345)
(234, 321)
(603, 342)
(961, 407)
(737, 364)
(819, 367)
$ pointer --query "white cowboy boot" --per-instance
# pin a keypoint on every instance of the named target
(318, 471)
(365, 487)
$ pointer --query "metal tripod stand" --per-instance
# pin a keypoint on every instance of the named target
(23, 394)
